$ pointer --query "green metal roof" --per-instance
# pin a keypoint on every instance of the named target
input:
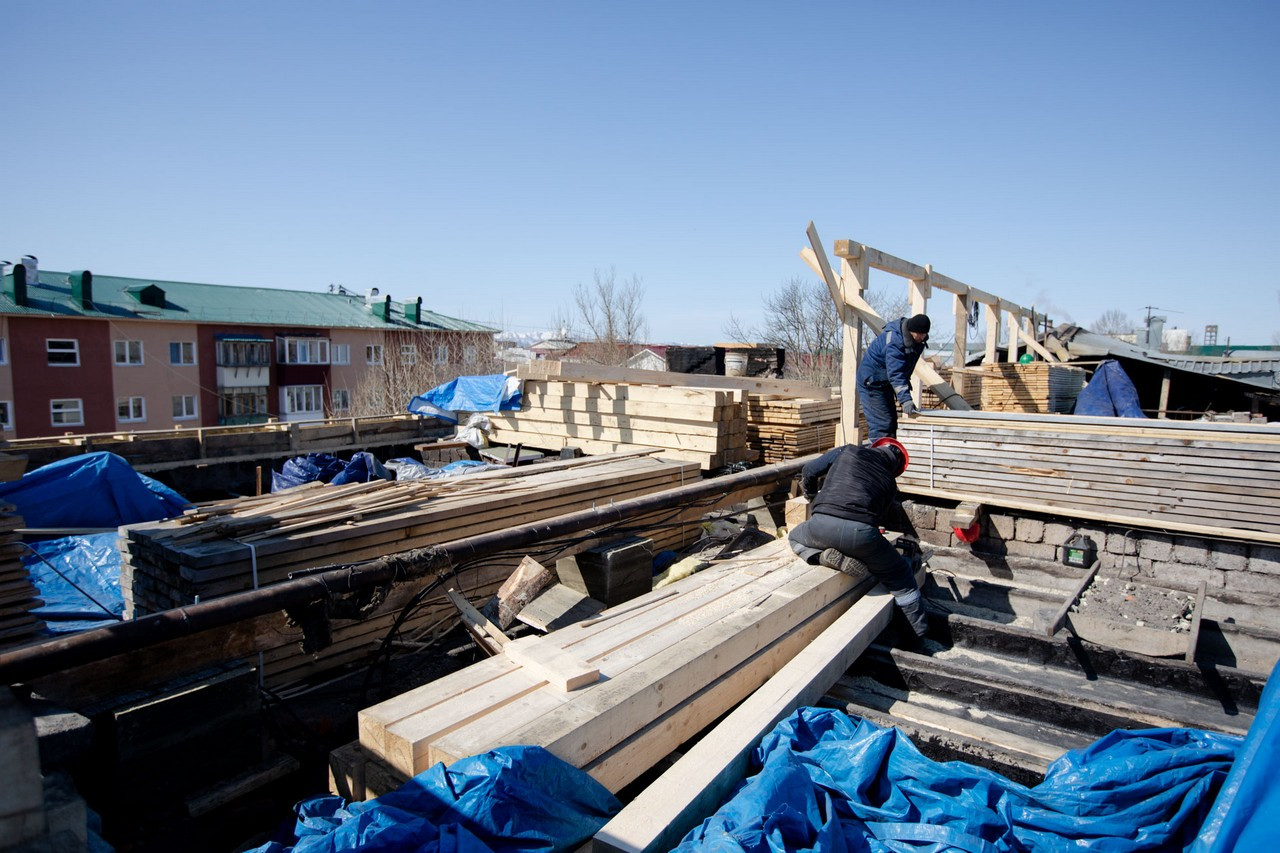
(115, 297)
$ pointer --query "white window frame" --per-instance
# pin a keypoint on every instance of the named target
(373, 354)
(6, 414)
(194, 411)
(302, 350)
(470, 354)
(291, 395)
(74, 350)
(137, 410)
(441, 353)
(341, 400)
(72, 415)
(339, 353)
(124, 352)
(182, 348)
(408, 353)
(4, 351)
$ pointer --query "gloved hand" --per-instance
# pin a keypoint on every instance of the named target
(909, 409)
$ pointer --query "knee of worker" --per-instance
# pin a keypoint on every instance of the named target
(896, 575)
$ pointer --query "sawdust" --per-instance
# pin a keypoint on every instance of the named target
(1140, 605)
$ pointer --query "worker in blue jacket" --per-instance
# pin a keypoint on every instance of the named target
(884, 373)
(843, 531)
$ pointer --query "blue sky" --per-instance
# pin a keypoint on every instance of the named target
(1078, 157)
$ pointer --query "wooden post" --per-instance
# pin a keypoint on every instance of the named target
(991, 312)
(257, 481)
(853, 282)
(920, 290)
(960, 346)
(1013, 323)
(1165, 381)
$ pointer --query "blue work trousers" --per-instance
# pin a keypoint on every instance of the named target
(879, 407)
(864, 542)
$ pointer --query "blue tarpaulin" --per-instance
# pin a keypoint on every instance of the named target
(829, 782)
(90, 490)
(490, 393)
(515, 798)
(1110, 393)
(79, 581)
(326, 468)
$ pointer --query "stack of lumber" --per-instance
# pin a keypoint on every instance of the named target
(231, 546)
(972, 392)
(780, 428)
(665, 666)
(1038, 387)
(1212, 479)
(18, 596)
(703, 425)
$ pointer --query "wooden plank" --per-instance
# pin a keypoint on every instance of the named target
(1060, 618)
(601, 373)
(696, 784)
(546, 662)
(1193, 638)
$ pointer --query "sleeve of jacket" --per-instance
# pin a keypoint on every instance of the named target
(898, 366)
(813, 471)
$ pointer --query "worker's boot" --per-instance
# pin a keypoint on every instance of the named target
(851, 566)
(912, 604)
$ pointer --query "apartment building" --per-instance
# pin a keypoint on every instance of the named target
(85, 353)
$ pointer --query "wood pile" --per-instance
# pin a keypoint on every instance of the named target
(1213, 479)
(703, 425)
(972, 393)
(1038, 387)
(231, 546)
(667, 665)
(779, 428)
(18, 595)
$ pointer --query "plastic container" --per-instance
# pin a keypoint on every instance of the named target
(1079, 552)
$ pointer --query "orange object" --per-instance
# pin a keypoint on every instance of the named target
(881, 442)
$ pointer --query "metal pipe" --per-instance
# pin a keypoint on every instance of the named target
(39, 659)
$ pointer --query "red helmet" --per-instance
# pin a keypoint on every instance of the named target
(893, 442)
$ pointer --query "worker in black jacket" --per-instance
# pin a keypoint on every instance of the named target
(858, 487)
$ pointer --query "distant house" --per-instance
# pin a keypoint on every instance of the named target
(89, 353)
(652, 357)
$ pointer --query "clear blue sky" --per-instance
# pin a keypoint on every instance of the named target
(1078, 156)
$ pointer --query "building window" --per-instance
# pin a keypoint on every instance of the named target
(241, 404)
(66, 412)
(6, 414)
(184, 407)
(131, 410)
(4, 351)
(303, 400)
(340, 353)
(341, 400)
(442, 353)
(128, 353)
(64, 352)
(302, 350)
(373, 354)
(409, 353)
(244, 353)
(182, 352)
(470, 354)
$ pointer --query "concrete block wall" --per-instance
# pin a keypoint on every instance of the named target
(1229, 569)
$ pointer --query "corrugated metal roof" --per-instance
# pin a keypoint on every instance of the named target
(1260, 368)
(187, 302)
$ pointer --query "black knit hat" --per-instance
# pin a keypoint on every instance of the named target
(918, 323)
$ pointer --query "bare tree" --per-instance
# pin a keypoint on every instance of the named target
(611, 312)
(412, 363)
(1112, 322)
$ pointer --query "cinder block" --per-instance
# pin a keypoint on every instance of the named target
(1156, 547)
(22, 793)
(1229, 556)
(1253, 582)
(1055, 533)
(1033, 550)
(1001, 526)
(1188, 578)
(941, 538)
(1191, 552)
(1122, 543)
(1264, 559)
(1030, 530)
(923, 516)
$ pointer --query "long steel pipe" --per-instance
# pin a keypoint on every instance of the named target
(33, 661)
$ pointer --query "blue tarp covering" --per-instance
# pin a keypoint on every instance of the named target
(326, 468)
(1110, 393)
(490, 393)
(90, 490)
(515, 798)
(1247, 813)
(833, 783)
(91, 563)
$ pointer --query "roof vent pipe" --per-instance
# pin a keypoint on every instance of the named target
(82, 288)
(15, 282)
(369, 295)
(413, 311)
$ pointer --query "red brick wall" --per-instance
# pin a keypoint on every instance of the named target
(36, 382)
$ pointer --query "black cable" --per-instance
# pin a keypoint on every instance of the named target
(116, 616)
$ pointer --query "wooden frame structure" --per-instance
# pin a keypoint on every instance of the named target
(849, 295)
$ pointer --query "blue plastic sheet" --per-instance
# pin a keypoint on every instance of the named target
(1246, 815)
(491, 393)
(90, 490)
(328, 468)
(515, 798)
(79, 581)
(829, 782)
(1110, 393)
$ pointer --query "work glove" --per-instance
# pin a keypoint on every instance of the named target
(909, 409)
